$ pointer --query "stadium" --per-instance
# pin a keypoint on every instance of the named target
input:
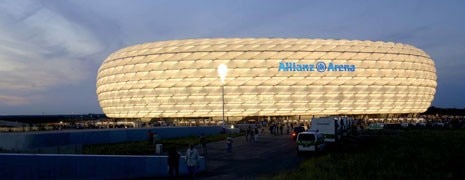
(266, 77)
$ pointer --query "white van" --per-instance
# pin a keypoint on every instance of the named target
(310, 142)
(330, 127)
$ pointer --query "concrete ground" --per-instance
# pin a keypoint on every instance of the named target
(270, 155)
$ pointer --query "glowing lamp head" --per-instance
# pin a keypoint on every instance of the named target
(222, 71)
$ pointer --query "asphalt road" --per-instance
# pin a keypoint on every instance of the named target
(270, 155)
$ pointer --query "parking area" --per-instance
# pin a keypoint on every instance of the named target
(268, 155)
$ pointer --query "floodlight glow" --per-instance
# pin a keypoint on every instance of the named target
(222, 71)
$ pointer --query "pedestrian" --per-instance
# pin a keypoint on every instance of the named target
(275, 129)
(247, 135)
(251, 135)
(281, 129)
(155, 138)
(192, 160)
(256, 134)
(150, 136)
(173, 162)
(203, 142)
(229, 142)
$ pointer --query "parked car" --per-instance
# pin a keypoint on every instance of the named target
(310, 142)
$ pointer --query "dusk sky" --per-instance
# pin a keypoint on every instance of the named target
(50, 51)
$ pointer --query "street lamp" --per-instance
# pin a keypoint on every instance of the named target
(222, 71)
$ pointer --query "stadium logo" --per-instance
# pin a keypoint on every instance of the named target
(320, 66)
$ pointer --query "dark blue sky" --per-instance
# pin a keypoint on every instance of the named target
(50, 51)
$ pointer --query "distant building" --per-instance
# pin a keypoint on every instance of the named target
(11, 124)
(266, 77)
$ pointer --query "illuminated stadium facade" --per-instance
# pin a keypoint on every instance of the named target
(266, 77)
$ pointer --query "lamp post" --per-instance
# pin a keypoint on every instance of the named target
(222, 71)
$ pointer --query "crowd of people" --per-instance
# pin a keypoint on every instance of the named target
(192, 155)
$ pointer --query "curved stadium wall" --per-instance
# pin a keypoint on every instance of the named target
(266, 77)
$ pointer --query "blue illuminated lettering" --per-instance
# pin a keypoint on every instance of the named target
(319, 66)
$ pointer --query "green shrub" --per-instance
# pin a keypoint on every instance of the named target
(419, 154)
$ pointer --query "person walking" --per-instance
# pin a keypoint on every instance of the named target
(247, 135)
(192, 160)
(155, 138)
(150, 136)
(203, 142)
(173, 162)
(256, 135)
(229, 142)
(251, 135)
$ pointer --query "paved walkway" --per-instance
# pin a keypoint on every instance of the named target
(250, 160)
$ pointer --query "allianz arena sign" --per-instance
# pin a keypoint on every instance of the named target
(319, 66)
